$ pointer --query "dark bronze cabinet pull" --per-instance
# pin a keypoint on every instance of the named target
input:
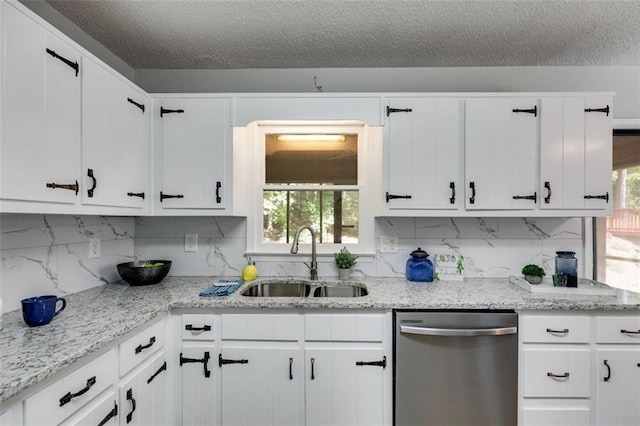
(533, 197)
(452, 185)
(190, 327)
(605, 110)
(164, 196)
(563, 331)
(69, 186)
(112, 414)
(290, 368)
(313, 361)
(204, 361)
(472, 185)
(162, 368)
(133, 405)
(222, 361)
(139, 348)
(393, 197)
(136, 194)
(629, 331)
(164, 111)
(533, 111)
(218, 198)
(382, 363)
(392, 110)
(141, 106)
(73, 65)
(94, 183)
(606, 363)
(547, 186)
(69, 396)
(598, 197)
(559, 376)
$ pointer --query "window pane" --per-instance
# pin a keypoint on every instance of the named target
(333, 215)
(311, 159)
(618, 236)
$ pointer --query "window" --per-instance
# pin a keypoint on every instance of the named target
(617, 238)
(316, 175)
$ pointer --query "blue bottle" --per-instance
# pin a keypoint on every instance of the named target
(567, 264)
(419, 267)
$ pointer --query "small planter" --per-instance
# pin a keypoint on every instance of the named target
(533, 279)
(344, 274)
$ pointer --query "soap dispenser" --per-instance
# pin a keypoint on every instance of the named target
(250, 271)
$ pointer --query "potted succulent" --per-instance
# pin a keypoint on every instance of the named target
(533, 273)
(345, 260)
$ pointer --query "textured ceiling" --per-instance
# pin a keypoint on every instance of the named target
(234, 34)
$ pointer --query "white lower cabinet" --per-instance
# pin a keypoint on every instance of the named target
(199, 383)
(144, 398)
(345, 385)
(556, 416)
(102, 411)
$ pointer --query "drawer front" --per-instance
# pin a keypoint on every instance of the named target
(556, 416)
(103, 411)
(138, 348)
(344, 327)
(555, 329)
(623, 329)
(72, 391)
(556, 373)
(198, 327)
(284, 327)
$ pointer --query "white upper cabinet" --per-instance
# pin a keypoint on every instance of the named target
(576, 153)
(422, 151)
(41, 113)
(115, 143)
(193, 142)
(501, 161)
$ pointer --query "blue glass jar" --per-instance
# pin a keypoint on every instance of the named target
(419, 267)
(567, 264)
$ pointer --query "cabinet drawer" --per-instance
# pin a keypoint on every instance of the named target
(556, 416)
(64, 397)
(618, 329)
(286, 327)
(556, 373)
(555, 329)
(138, 348)
(198, 327)
(344, 327)
(103, 410)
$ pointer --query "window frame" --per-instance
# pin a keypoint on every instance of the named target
(369, 175)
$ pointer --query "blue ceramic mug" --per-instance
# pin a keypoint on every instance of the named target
(41, 310)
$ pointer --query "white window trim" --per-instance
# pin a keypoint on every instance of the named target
(369, 175)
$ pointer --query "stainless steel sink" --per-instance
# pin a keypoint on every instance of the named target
(278, 289)
(304, 289)
(340, 291)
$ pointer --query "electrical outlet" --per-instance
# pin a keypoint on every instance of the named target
(388, 244)
(190, 242)
(94, 248)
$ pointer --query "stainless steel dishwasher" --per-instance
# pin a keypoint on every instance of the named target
(455, 368)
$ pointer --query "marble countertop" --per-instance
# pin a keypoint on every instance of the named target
(96, 317)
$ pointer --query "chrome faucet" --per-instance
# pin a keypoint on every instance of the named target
(313, 267)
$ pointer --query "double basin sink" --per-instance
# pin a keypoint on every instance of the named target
(304, 289)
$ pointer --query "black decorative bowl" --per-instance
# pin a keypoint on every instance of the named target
(144, 272)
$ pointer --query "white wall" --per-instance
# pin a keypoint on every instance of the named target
(48, 254)
(625, 81)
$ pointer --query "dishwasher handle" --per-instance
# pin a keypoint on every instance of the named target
(458, 332)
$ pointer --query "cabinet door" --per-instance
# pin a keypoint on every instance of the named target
(41, 113)
(423, 147)
(575, 153)
(199, 394)
(618, 387)
(501, 141)
(144, 396)
(114, 140)
(195, 133)
(268, 389)
(340, 392)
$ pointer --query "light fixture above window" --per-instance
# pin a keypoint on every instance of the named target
(311, 138)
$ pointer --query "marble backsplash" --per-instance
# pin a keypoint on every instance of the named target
(48, 254)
